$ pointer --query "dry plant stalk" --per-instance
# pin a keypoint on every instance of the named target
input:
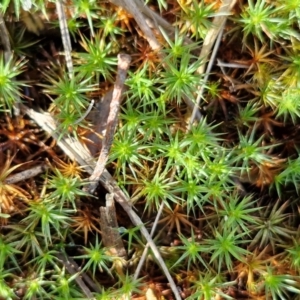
(109, 228)
(217, 24)
(5, 40)
(32, 172)
(65, 35)
(98, 118)
(73, 269)
(214, 33)
(132, 7)
(123, 66)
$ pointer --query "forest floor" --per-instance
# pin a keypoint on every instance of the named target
(149, 150)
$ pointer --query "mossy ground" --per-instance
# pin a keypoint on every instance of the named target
(228, 182)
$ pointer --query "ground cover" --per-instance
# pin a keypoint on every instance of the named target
(178, 119)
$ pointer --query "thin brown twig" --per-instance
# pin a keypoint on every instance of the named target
(123, 66)
(111, 238)
(84, 275)
(133, 9)
(65, 35)
(214, 33)
(201, 88)
(98, 117)
(32, 172)
(155, 21)
(217, 25)
(152, 19)
(73, 269)
(5, 40)
(86, 112)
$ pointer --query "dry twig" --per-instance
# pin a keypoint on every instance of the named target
(109, 227)
(214, 33)
(133, 9)
(145, 252)
(217, 26)
(98, 118)
(73, 269)
(123, 65)
(65, 35)
(5, 40)
(32, 172)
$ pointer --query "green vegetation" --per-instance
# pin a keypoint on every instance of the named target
(227, 182)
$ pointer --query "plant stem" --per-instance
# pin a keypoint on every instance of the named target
(65, 36)
(123, 65)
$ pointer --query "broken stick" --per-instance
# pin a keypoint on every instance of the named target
(112, 121)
